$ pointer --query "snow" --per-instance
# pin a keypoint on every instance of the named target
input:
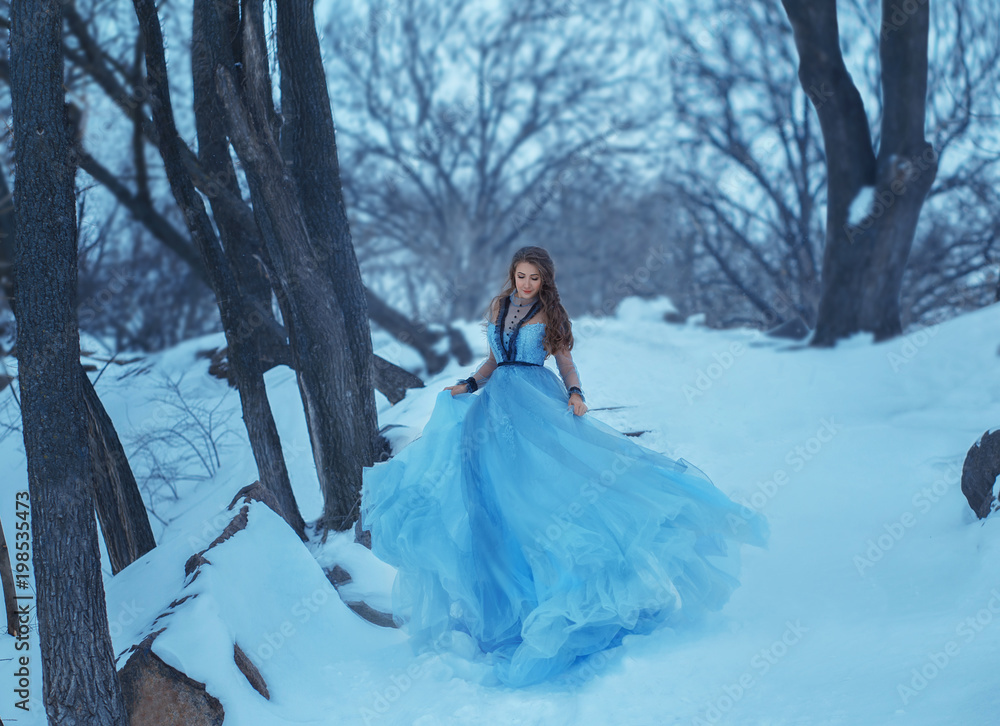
(875, 603)
(861, 205)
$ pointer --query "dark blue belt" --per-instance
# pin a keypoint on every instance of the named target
(516, 363)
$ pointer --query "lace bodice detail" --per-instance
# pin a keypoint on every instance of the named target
(528, 347)
(529, 342)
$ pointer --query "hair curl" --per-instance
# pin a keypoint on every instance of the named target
(558, 328)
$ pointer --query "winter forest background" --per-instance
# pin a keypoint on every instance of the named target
(335, 190)
(618, 133)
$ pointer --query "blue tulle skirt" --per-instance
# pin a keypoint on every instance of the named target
(544, 535)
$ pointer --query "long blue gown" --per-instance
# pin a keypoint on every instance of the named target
(544, 535)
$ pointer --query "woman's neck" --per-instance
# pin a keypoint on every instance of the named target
(518, 300)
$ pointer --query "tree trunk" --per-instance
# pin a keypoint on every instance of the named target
(6, 240)
(333, 398)
(120, 508)
(863, 263)
(233, 312)
(215, 29)
(308, 145)
(80, 684)
(7, 583)
(215, 24)
(315, 322)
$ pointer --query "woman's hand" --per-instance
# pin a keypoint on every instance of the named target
(455, 390)
(576, 403)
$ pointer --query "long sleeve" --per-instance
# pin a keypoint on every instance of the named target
(567, 368)
(485, 370)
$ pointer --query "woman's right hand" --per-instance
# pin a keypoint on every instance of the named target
(457, 389)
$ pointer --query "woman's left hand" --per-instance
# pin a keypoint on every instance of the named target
(576, 403)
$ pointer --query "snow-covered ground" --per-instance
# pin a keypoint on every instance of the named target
(876, 602)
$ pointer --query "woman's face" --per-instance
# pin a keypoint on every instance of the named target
(527, 280)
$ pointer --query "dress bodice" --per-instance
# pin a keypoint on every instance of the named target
(529, 343)
(514, 340)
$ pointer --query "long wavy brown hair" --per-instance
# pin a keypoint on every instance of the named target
(558, 328)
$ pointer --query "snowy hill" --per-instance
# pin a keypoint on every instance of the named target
(875, 602)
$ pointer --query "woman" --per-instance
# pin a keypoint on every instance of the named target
(543, 533)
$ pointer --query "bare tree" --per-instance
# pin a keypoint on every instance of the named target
(458, 121)
(747, 163)
(335, 397)
(120, 509)
(80, 684)
(953, 264)
(244, 354)
(864, 257)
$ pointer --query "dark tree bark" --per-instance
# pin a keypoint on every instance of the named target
(80, 684)
(120, 508)
(244, 356)
(7, 585)
(309, 147)
(215, 28)
(863, 263)
(6, 240)
(312, 310)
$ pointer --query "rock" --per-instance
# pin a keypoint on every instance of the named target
(257, 492)
(792, 328)
(236, 524)
(158, 695)
(362, 536)
(337, 576)
(193, 563)
(248, 669)
(982, 464)
(377, 617)
(192, 568)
